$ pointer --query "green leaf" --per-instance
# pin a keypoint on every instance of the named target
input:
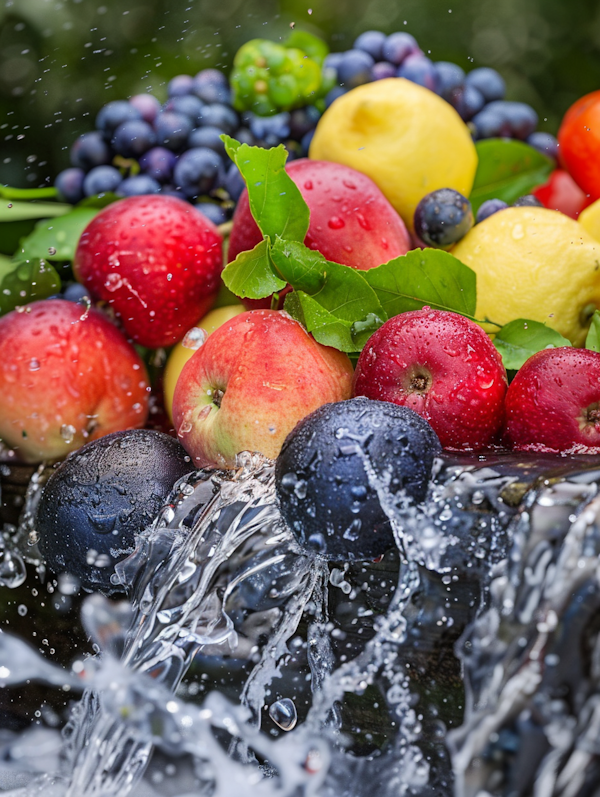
(22, 282)
(507, 169)
(592, 341)
(15, 211)
(275, 200)
(56, 239)
(7, 192)
(424, 277)
(519, 339)
(251, 274)
(321, 323)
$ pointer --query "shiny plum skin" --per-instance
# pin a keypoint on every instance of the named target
(156, 261)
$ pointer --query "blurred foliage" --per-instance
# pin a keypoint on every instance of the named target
(60, 60)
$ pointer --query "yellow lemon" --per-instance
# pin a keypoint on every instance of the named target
(404, 137)
(181, 354)
(534, 263)
(590, 219)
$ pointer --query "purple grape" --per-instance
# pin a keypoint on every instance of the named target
(158, 162)
(488, 208)
(545, 143)
(355, 68)
(69, 184)
(198, 172)
(303, 120)
(212, 211)
(419, 69)
(211, 85)
(399, 46)
(491, 122)
(138, 185)
(180, 85)
(101, 180)
(188, 105)
(132, 139)
(371, 42)
(114, 114)
(333, 94)
(234, 182)
(90, 150)
(221, 116)
(244, 136)
(450, 77)
(269, 130)
(147, 105)
(489, 82)
(383, 70)
(332, 61)
(207, 137)
(306, 142)
(76, 293)
(520, 118)
(172, 130)
(467, 101)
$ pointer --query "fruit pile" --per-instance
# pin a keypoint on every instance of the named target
(401, 264)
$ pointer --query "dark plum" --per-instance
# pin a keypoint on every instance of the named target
(208, 137)
(545, 143)
(147, 105)
(488, 208)
(188, 105)
(221, 116)
(355, 68)
(371, 42)
(101, 496)
(210, 85)
(489, 82)
(198, 171)
(113, 114)
(383, 70)
(212, 211)
(180, 85)
(158, 162)
(101, 180)
(399, 46)
(90, 150)
(132, 139)
(419, 69)
(450, 77)
(138, 185)
(69, 184)
(172, 130)
(325, 495)
(443, 217)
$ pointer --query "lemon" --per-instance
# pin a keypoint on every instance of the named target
(404, 137)
(534, 263)
(590, 219)
(181, 354)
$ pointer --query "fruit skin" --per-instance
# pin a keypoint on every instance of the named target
(323, 489)
(579, 143)
(156, 261)
(101, 497)
(250, 383)
(589, 218)
(442, 218)
(351, 222)
(534, 263)
(181, 354)
(408, 140)
(553, 403)
(65, 367)
(444, 367)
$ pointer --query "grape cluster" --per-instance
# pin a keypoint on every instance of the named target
(478, 96)
(142, 147)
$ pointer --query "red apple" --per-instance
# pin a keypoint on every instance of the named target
(561, 192)
(351, 221)
(553, 403)
(67, 376)
(442, 366)
(250, 383)
(156, 261)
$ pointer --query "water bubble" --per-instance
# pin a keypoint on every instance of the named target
(283, 713)
(68, 432)
(34, 364)
(51, 250)
(12, 569)
(194, 338)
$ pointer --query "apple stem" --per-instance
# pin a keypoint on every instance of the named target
(218, 397)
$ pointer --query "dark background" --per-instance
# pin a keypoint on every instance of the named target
(60, 60)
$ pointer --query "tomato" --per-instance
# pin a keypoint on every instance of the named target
(579, 141)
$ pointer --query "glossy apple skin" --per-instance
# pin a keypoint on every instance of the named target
(156, 261)
(553, 403)
(351, 222)
(442, 366)
(271, 373)
(63, 366)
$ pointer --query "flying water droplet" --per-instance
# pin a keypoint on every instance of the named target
(283, 713)
(194, 338)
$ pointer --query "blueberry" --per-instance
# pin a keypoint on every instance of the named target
(114, 114)
(69, 184)
(488, 208)
(147, 105)
(399, 46)
(212, 211)
(172, 130)
(210, 85)
(188, 105)
(467, 101)
(269, 130)
(180, 85)
(545, 143)
(450, 77)
(244, 136)
(234, 182)
(198, 171)
(76, 293)
(324, 493)
(138, 185)
(221, 116)
(443, 217)
(208, 137)
(354, 68)
(520, 117)
(132, 139)
(101, 496)
(332, 61)
(90, 150)
(489, 82)
(419, 69)
(172, 190)
(371, 42)
(158, 162)
(383, 70)
(306, 142)
(303, 120)
(491, 122)
(101, 180)
(333, 94)
(527, 201)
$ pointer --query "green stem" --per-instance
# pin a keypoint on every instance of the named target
(6, 192)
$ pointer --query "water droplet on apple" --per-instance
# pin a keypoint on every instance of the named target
(194, 338)
(68, 432)
(336, 223)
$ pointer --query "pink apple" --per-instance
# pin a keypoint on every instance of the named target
(67, 376)
(250, 383)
